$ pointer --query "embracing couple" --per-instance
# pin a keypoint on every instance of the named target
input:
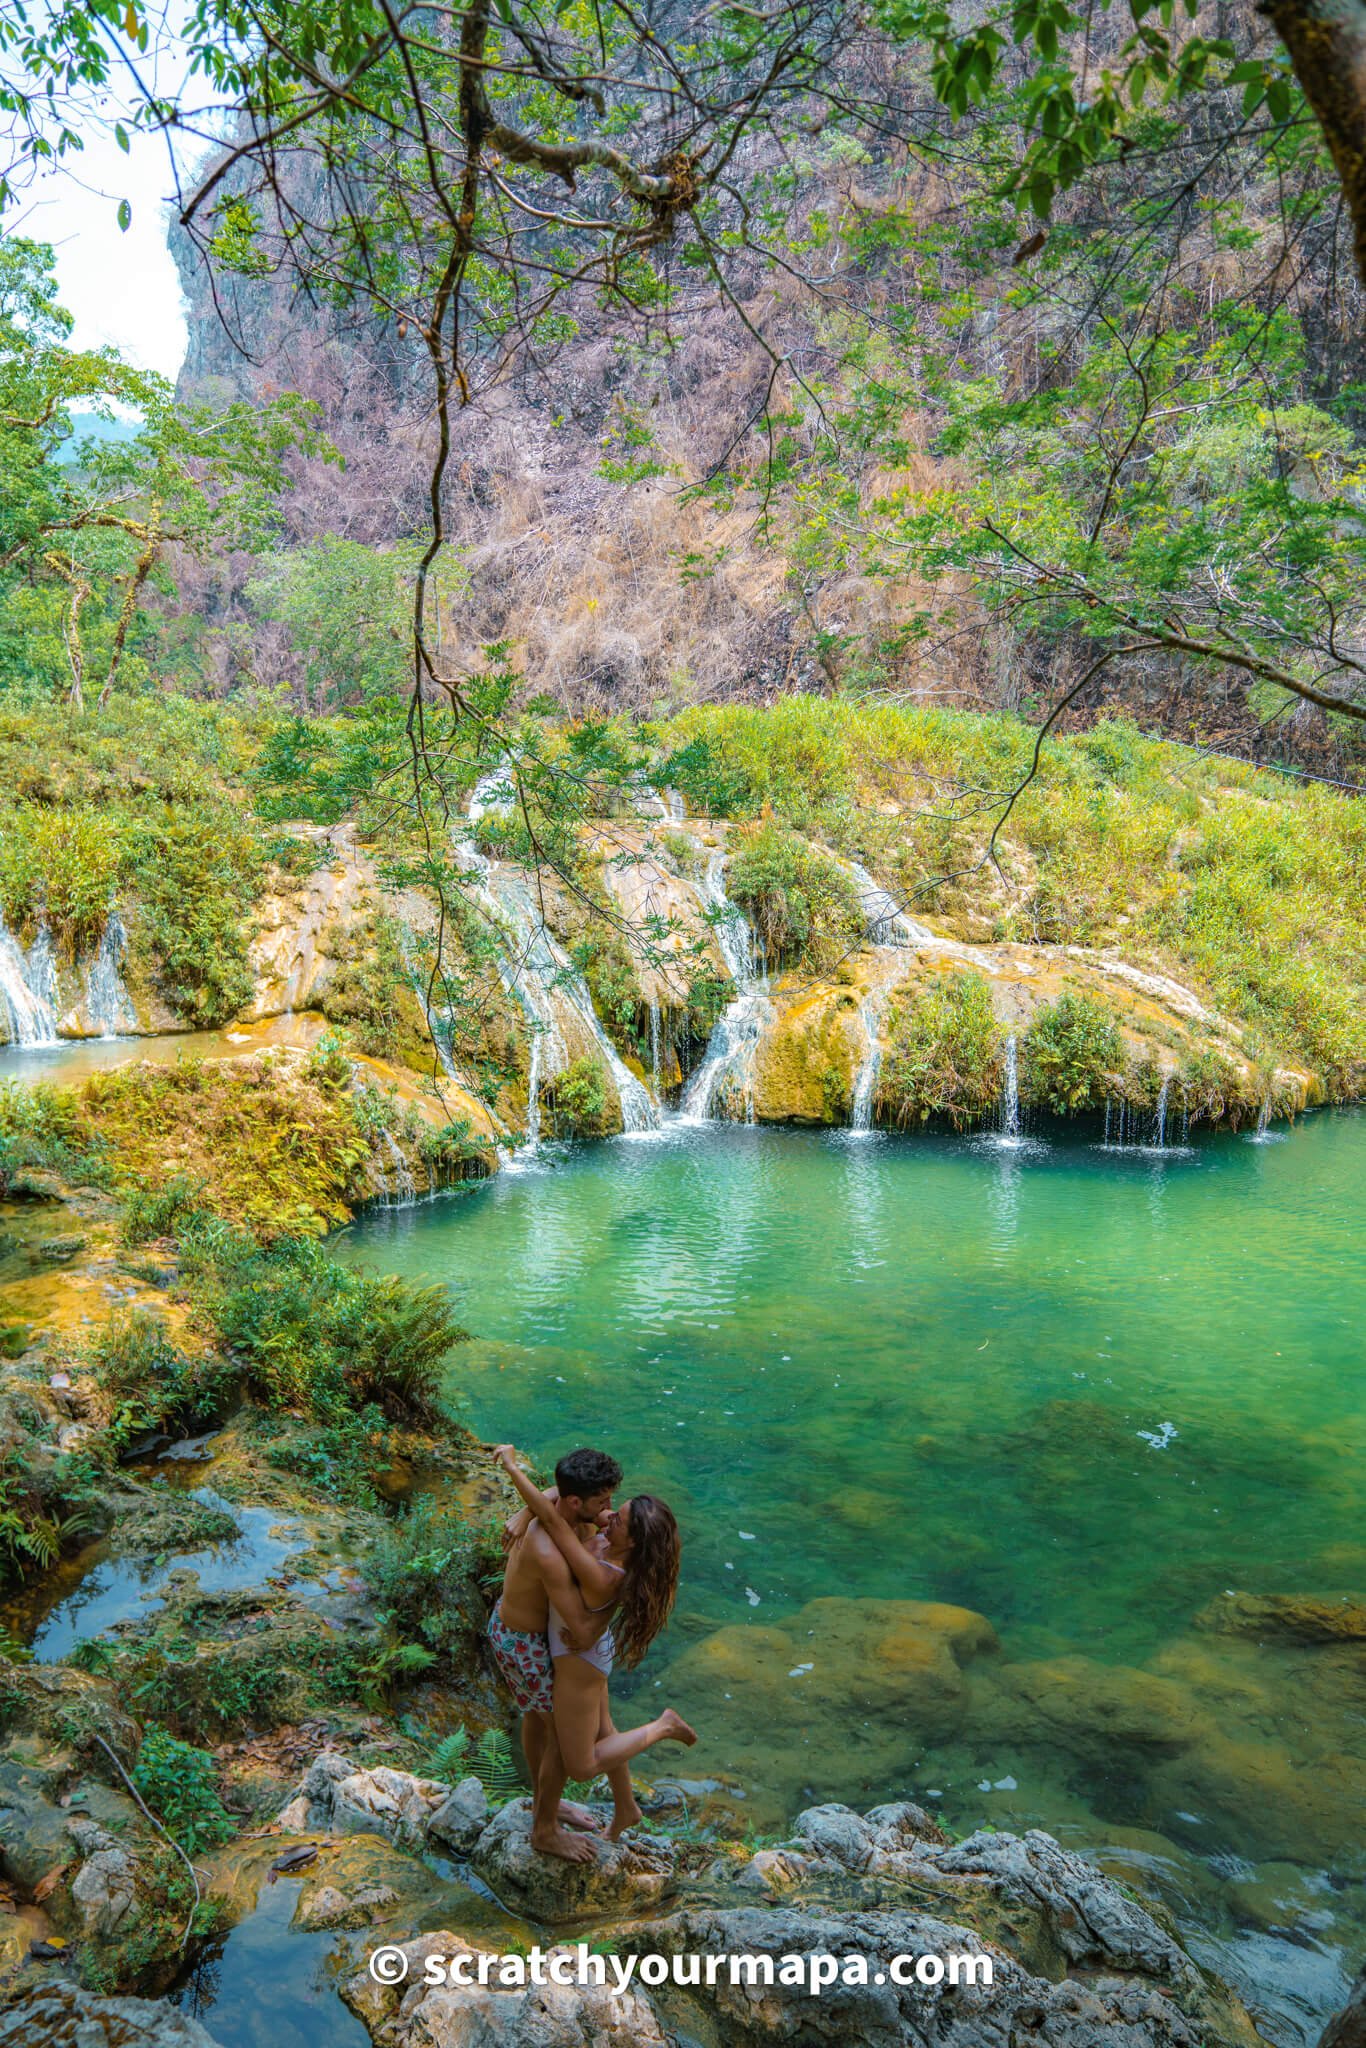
(584, 1585)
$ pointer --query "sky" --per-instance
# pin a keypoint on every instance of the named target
(121, 288)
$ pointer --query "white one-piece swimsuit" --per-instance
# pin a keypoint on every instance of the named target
(600, 1654)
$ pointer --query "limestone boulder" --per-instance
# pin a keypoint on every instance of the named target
(341, 1798)
(62, 2016)
(623, 1878)
(1016, 2007)
(104, 1887)
(497, 2015)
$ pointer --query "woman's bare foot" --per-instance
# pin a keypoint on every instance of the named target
(558, 1841)
(572, 1816)
(625, 1814)
(673, 1728)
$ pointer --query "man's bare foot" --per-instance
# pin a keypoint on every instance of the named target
(572, 1816)
(675, 1729)
(558, 1841)
(625, 1814)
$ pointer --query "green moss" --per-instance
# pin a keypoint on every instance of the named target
(943, 1053)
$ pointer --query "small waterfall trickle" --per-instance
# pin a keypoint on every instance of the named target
(108, 1003)
(400, 1189)
(1160, 1120)
(1010, 1093)
(727, 1069)
(865, 1085)
(885, 922)
(1263, 1130)
(28, 988)
(654, 1045)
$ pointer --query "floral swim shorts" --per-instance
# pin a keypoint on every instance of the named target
(524, 1661)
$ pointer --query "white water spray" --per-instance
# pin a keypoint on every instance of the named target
(28, 988)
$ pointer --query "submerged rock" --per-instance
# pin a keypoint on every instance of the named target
(1286, 1617)
(61, 2016)
(1348, 2030)
(623, 1877)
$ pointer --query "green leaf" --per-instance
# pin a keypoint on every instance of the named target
(125, 216)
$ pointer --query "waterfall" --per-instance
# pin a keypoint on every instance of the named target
(1263, 1119)
(728, 1065)
(28, 988)
(1160, 1124)
(403, 1193)
(534, 970)
(654, 1045)
(865, 1086)
(884, 920)
(108, 1003)
(1010, 1094)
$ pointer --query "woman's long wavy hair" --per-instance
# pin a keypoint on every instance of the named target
(651, 1579)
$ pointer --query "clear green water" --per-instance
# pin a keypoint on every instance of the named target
(931, 1370)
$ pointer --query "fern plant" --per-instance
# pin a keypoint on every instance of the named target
(490, 1760)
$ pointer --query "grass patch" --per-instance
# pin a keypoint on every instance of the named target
(802, 905)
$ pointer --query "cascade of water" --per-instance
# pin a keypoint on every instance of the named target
(1264, 1115)
(28, 988)
(534, 969)
(654, 1045)
(884, 920)
(728, 1065)
(1010, 1091)
(108, 1003)
(1160, 1122)
(1108, 1107)
(865, 1086)
(403, 1193)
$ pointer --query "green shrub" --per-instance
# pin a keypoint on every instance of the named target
(180, 1786)
(197, 874)
(372, 993)
(152, 1212)
(1070, 1052)
(802, 904)
(60, 867)
(423, 1571)
(578, 1099)
(943, 1053)
(319, 1336)
(151, 1383)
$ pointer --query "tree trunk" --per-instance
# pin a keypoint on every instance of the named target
(1326, 40)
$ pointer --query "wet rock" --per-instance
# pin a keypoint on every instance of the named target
(35, 1835)
(61, 2016)
(1090, 1919)
(1016, 2008)
(1287, 1617)
(415, 2015)
(104, 1886)
(59, 1251)
(623, 1877)
(338, 1796)
(866, 1842)
(1348, 2030)
(330, 1908)
(460, 1820)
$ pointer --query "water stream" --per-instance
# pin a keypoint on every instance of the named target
(28, 988)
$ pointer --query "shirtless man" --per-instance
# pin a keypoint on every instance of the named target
(536, 1575)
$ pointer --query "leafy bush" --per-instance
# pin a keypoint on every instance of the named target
(490, 1760)
(196, 874)
(58, 867)
(42, 1130)
(578, 1099)
(319, 1336)
(152, 1212)
(802, 904)
(151, 1383)
(1070, 1051)
(371, 992)
(423, 1572)
(180, 1786)
(943, 1054)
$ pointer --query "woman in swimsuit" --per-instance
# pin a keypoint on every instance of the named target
(628, 1580)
